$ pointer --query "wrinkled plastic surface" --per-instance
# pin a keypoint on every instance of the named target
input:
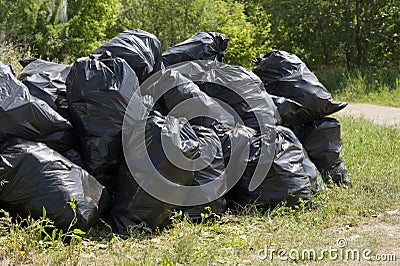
(285, 75)
(235, 86)
(291, 176)
(23, 115)
(98, 91)
(322, 141)
(25, 62)
(238, 92)
(140, 49)
(38, 177)
(46, 81)
(286, 108)
(181, 98)
(133, 204)
(201, 46)
(207, 137)
(61, 141)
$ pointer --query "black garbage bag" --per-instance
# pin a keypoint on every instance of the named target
(46, 81)
(215, 169)
(7, 71)
(235, 86)
(37, 177)
(291, 177)
(322, 141)
(132, 204)
(285, 75)
(181, 97)
(98, 91)
(61, 141)
(201, 46)
(25, 62)
(286, 108)
(140, 49)
(23, 115)
(240, 100)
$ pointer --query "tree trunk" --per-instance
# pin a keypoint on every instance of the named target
(348, 34)
(62, 16)
(358, 34)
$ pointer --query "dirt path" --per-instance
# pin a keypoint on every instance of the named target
(384, 225)
(384, 115)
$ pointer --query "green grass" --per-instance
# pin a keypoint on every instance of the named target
(357, 214)
(376, 86)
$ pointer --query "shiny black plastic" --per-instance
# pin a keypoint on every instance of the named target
(216, 168)
(285, 75)
(46, 81)
(23, 115)
(140, 49)
(98, 91)
(292, 175)
(201, 46)
(322, 141)
(133, 204)
(37, 177)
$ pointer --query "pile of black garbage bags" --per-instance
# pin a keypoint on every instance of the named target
(61, 131)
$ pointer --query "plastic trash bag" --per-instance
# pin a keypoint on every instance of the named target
(286, 108)
(322, 141)
(215, 169)
(140, 49)
(291, 177)
(201, 46)
(132, 204)
(61, 141)
(37, 177)
(23, 115)
(25, 62)
(46, 81)
(183, 98)
(285, 75)
(98, 91)
(235, 86)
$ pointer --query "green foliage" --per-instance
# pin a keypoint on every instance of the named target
(175, 21)
(354, 33)
(91, 23)
(24, 238)
(351, 32)
(307, 28)
(10, 53)
(36, 25)
(171, 21)
(244, 37)
(370, 85)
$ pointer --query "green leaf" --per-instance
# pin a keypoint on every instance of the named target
(78, 232)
